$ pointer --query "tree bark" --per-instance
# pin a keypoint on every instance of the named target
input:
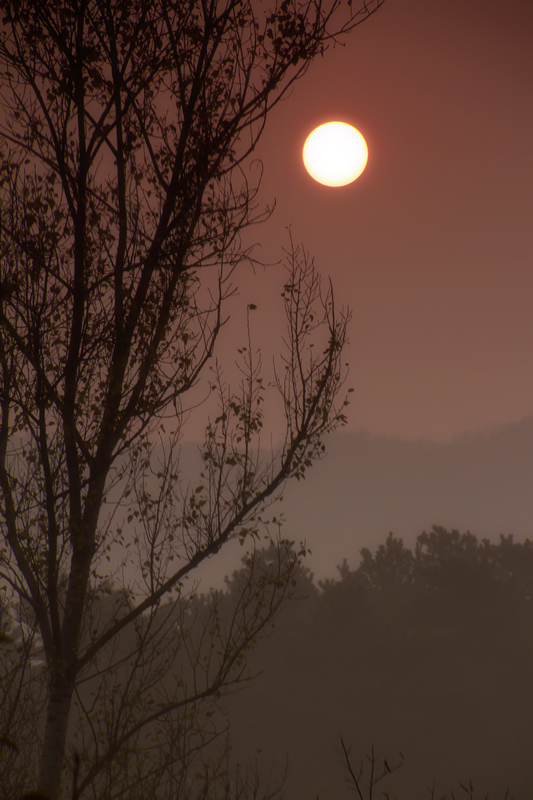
(55, 735)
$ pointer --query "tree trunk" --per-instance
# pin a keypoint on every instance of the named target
(55, 735)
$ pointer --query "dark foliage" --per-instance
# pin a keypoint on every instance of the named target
(426, 651)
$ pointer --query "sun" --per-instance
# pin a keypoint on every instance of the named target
(335, 154)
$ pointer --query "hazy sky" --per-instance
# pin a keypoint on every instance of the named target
(432, 246)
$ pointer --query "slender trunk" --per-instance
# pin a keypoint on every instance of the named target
(55, 735)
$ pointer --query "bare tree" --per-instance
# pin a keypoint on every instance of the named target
(371, 772)
(125, 136)
(373, 769)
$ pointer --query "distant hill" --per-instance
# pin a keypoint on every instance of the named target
(369, 485)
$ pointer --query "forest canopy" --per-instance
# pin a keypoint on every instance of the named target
(425, 650)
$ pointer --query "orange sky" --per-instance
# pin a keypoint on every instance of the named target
(432, 247)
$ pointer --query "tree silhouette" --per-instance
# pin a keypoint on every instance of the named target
(126, 131)
(425, 649)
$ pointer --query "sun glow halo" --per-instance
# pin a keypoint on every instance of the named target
(335, 154)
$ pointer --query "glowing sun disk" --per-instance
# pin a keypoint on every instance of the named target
(335, 154)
